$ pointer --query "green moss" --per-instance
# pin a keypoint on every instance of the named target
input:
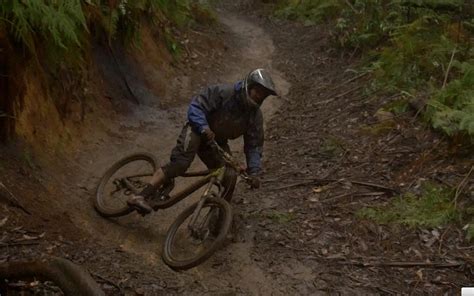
(433, 208)
(397, 106)
(280, 217)
(331, 146)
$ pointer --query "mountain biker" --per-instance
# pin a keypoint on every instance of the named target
(220, 112)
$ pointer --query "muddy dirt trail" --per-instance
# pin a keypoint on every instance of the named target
(299, 234)
(153, 130)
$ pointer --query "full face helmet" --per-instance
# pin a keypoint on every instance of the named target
(261, 77)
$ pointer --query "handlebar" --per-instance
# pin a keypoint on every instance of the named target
(230, 160)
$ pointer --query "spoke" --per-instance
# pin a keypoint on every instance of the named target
(115, 191)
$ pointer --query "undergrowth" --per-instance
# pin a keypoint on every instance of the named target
(452, 108)
(59, 22)
(420, 48)
(434, 207)
(281, 217)
(55, 37)
(66, 25)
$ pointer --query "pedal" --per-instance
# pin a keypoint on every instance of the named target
(157, 201)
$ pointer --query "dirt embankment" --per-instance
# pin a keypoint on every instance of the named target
(139, 105)
(299, 234)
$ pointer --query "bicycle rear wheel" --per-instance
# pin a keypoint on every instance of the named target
(184, 248)
(127, 176)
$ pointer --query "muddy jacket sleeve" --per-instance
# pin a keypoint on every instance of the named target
(253, 144)
(209, 100)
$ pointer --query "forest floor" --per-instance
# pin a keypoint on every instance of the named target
(327, 155)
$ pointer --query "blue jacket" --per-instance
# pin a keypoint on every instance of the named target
(225, 110)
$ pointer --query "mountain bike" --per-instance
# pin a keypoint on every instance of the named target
(201, 228)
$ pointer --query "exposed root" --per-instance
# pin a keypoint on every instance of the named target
(70, 277)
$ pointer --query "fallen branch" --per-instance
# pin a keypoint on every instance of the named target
(324, 102)
(326, 181)
(107, 281)
(435, 6)
(352, 7)
(18, 243)
(330, 97)
(460, 187)
(449, 68)
(293, 185)
(403, 264)
(353, 194)
(71, 278)
(5, 193)
(375, 186)
(350, 80)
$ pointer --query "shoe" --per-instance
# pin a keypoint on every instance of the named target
(138, 202)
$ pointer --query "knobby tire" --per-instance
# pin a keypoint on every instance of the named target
(225, 217)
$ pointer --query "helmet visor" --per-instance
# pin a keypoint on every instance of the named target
(263, 78)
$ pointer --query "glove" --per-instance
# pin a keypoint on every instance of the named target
(208, 133)
(254, 182)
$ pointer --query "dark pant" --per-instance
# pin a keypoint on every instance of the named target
(189, 143)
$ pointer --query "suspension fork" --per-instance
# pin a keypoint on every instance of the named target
(204, 197)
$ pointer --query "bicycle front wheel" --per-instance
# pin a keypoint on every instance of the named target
(188, 245)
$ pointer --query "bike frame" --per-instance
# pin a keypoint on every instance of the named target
(210, 178)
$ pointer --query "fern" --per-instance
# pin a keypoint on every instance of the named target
(452, 109)
(309, 11)
(124, 19)
(410, 45)
(62, 22)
